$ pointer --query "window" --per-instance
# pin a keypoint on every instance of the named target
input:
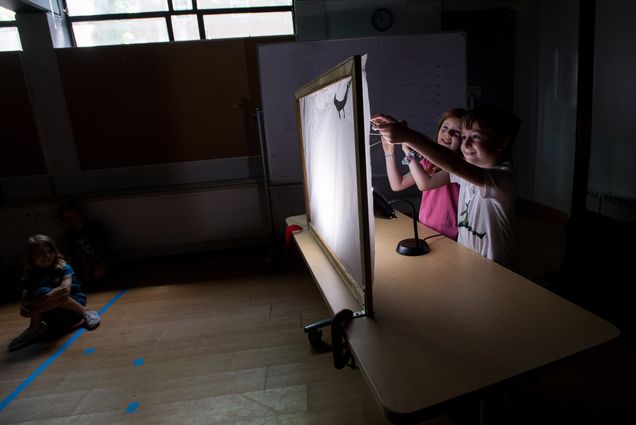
(248, 24)
(9, 37)
(107, 22)
(229, 4)
(120, 31)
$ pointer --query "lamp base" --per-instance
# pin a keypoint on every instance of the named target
(412, 247)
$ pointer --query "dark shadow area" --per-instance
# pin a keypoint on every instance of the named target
(595, 387)
(61, 324)
(9, 280)
(599, 385)
(596, 272)
(184, 268)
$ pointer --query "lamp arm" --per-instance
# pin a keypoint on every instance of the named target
(417, 239)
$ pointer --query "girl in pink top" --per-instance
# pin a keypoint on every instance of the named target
(438, 209)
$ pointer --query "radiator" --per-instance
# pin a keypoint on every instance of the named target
(152, 223)
(171, 223)
(622, 209)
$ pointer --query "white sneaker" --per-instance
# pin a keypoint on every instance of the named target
(92, 319)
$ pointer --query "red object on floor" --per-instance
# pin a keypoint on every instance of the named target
(289, 233)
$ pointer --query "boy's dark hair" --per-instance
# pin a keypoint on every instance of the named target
(498, 119)
(69, 205)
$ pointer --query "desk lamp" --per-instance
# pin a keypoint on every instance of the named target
(414, 246)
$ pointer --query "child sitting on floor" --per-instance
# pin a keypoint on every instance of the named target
(49, 289)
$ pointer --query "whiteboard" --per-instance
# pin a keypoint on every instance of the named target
(414, 78)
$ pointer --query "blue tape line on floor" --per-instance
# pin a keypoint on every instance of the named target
(132, 407)
(89, 351)
(53, 357)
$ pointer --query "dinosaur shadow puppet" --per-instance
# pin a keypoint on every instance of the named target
(340, 104)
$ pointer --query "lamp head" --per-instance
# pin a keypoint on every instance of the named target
(382, 207)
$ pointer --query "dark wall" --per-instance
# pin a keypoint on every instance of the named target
(161, 103)
(21, 153)
(490, 47)
(141, 104)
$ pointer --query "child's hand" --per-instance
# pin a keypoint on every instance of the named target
(381, 119)
(61, 291)
(391, 130)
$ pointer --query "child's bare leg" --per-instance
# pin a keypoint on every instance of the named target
(71, 304)
(90, 317)
(62, 299)
(35, 321)
(52, 300)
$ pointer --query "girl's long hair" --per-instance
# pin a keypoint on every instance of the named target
(41, 240)
(451, 113)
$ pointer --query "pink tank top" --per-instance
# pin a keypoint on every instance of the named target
(438, 209)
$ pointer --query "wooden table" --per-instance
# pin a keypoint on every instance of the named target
(448, 323)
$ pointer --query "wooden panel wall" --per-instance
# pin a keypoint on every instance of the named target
(19, 135)
(141, 104)
(162, 103)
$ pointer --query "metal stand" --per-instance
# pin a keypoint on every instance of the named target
(269, 260)
(341, 353)
(414, 246)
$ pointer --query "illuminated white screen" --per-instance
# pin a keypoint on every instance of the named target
(328, 131)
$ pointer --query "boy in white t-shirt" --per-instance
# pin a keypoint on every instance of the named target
(487, 193)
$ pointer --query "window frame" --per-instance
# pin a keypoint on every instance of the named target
(167, 15)
(13, 24)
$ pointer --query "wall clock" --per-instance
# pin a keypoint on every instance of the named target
(382, 19)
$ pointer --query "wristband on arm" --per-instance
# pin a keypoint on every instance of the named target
(408, 157)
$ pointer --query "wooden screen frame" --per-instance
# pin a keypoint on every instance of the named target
(350, 68)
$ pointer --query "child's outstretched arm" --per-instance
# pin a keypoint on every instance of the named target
(398, 132)
(423, 179)
(391, 129)
(54, 299)
(397, 181)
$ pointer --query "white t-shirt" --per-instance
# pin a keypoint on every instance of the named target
(485, 214)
